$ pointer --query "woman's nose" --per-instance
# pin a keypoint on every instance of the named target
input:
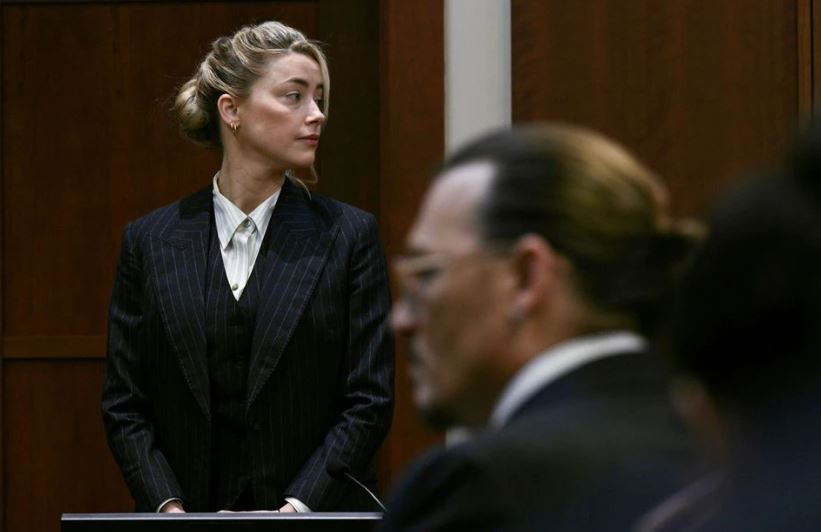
(315, 114)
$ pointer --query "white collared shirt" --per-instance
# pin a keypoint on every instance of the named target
(557, 361)
(240, 236)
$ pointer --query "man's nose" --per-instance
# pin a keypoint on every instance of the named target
(402, 318)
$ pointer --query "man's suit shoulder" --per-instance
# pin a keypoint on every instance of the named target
(566, 454)
(446, 490)
(535, 477)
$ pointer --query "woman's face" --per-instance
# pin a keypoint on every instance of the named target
(281, 118)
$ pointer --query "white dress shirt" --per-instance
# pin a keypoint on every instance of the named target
(240, 236)
(557, 361)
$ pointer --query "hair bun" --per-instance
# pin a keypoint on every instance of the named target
(192, 116)
(678, 243)
(650, 270)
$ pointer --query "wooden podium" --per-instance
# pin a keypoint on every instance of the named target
(221, 522)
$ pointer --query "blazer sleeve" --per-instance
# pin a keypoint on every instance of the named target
(126, 406)
(367, 398)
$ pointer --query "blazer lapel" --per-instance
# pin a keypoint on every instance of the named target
(298, 247)
(179, 264)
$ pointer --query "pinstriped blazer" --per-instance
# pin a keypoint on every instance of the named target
(320, 382)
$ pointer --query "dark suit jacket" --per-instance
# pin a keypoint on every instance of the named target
(589, 451)
(771, 484)
(320, 382)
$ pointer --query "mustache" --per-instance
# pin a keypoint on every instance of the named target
(411, 350)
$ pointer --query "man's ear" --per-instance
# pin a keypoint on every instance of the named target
(228, 107)
(699, 410)
(536, 270)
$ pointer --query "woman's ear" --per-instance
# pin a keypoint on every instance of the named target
(228, 108)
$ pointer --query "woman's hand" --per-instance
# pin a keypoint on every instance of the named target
(172, 507)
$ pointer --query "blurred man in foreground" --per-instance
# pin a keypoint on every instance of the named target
(532, 281)
(748, 335)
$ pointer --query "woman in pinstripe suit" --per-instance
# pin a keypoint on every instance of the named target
(247, 347)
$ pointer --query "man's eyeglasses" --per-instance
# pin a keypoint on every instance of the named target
(417, 273)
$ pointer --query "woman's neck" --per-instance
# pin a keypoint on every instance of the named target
(246, 185)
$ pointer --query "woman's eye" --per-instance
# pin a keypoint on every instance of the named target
(294, 96)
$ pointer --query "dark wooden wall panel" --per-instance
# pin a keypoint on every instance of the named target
(56, 456)
(349, 151)
(701, 90)
(412, 133)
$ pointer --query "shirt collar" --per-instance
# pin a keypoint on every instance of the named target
(557, 361)
(228, 217)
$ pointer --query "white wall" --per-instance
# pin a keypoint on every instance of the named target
(477, 68)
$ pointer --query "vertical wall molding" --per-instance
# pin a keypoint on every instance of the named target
(2, 296)
(816, 55)
(806, 72)
(477, 68)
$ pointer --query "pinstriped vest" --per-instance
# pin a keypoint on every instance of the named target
(229, 326)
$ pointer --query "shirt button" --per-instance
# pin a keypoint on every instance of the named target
(234, 286)
(247, 223)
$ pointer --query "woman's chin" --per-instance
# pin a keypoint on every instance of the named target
(302, 163)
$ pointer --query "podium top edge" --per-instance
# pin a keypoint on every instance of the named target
(228, 516)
